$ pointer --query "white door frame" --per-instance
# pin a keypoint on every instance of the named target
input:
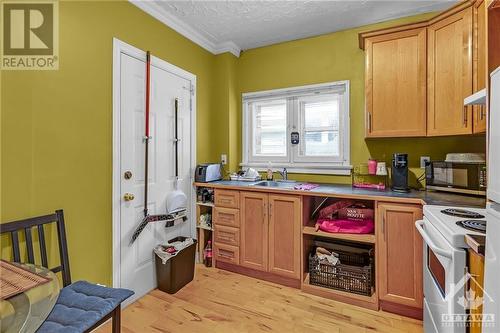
(120, 47)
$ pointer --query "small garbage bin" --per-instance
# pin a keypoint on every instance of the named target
(178, 270)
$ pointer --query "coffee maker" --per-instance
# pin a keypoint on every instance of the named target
(400, 173)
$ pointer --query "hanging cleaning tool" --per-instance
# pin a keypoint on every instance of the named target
(177, 201)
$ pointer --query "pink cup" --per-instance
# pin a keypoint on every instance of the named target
(372, 167)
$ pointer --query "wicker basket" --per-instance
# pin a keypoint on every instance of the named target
(354, 273)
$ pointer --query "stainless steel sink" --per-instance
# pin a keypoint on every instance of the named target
(280, 184)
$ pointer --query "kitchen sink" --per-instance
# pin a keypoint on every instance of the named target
(280, 184)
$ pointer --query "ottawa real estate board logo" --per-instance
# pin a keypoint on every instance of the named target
(30, 35)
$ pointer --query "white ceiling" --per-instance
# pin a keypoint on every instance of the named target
(234, 25)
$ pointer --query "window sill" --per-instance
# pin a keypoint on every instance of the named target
(324, 169)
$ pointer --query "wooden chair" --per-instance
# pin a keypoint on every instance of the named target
(26, 226)
(86, 321)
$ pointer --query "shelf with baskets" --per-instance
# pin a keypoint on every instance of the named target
(352, 280)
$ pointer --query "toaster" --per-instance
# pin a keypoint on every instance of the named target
(208, 172)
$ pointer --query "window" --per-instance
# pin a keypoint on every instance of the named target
(319, 114)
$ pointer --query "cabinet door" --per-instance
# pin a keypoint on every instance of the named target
(254, 230)
(479, 125)
(399, 254)
(284, 235)
(450, 75)
(395, 84)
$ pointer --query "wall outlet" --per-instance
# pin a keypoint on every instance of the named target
(423, 161)
(223, 159)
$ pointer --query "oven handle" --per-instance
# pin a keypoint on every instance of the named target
(430, 243)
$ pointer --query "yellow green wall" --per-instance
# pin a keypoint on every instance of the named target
(57, 125)
(334, 57)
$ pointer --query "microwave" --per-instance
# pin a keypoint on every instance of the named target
(467, 178)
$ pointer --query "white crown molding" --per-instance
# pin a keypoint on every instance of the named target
(184, 29)
(228, 47)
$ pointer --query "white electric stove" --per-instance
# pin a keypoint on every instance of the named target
(443, 230)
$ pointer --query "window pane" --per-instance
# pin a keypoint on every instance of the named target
(322, 114)
(269, 132)
(322, 143)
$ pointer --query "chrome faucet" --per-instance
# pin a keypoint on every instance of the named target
(284, 174)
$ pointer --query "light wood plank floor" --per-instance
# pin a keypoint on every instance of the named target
(220, 301)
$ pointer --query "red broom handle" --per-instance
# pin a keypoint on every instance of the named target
(148, 74)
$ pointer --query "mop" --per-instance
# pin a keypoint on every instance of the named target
(176, 200)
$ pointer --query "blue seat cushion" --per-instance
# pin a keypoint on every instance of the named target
(81, 305)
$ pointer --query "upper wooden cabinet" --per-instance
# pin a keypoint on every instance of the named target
(395, 73)
(417, 75)
(450, 74)
(479, 61)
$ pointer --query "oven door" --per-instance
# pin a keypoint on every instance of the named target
(444, 281)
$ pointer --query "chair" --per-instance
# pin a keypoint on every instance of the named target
(81, 306)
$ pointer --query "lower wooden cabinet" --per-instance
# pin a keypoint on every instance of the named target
(270, 233)
(284, 235)
(476, 269)
(226, 253)
(254, 230)
(399, 255)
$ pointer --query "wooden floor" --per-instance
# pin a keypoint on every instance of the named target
(220, 301)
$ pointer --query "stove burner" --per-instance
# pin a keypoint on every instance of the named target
(473, 225)
(462, 213)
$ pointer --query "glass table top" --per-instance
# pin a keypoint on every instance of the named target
(25, 312)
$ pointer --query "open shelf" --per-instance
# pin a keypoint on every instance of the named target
(199, 226)
(363, 238)
(206, 204)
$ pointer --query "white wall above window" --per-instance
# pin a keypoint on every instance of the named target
(318, 113)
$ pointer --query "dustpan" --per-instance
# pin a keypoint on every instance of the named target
(176, 200)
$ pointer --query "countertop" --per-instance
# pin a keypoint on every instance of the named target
(347, 191)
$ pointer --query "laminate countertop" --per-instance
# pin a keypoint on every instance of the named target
(347, 191)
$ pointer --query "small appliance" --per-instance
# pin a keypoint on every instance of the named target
(208, 172)
(461, 173)
(400, 173)
(443, 230)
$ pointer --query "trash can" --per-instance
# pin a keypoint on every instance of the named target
(178, 270)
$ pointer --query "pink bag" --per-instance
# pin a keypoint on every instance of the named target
(346, 226)
(356, 212)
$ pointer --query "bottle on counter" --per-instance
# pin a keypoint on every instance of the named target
(269, 175)
(207, 254)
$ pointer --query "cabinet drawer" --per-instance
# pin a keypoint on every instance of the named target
(227, 235)
(225, 198)
(227, 253)
(226, 216)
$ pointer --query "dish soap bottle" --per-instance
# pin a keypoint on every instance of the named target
(269, 171)
(208, 254)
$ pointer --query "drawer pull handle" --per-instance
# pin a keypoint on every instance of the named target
(226, 254)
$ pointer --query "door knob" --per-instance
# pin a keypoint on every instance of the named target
(128, 197)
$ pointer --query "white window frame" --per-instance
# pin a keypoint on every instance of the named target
(293, 161)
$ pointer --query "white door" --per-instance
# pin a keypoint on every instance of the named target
(137, 265)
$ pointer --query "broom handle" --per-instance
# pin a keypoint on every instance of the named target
(146, 150)
(176, 140)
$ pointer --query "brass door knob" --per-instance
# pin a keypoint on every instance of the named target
(128, 197)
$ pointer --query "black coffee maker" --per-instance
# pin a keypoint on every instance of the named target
(400, 173)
